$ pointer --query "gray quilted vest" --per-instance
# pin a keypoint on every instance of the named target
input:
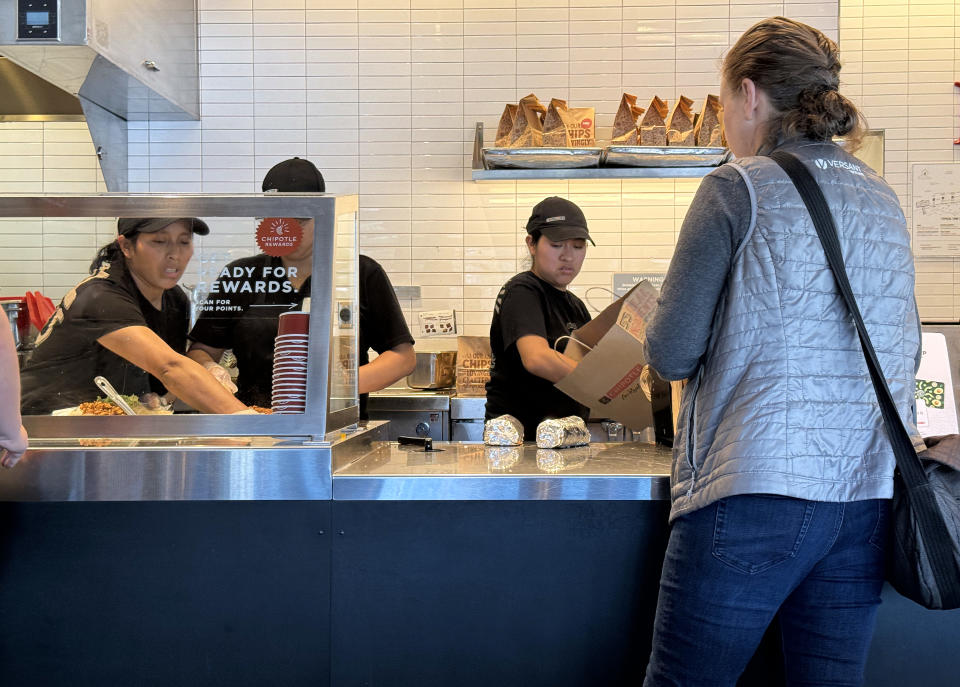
(783, 403)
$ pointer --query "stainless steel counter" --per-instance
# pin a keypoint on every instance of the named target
(358, 465)
(472, 471)
(183, 468)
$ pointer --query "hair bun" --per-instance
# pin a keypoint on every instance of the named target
(798, 68)
(825, 113)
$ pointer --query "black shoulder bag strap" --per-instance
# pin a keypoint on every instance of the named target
(936, 539)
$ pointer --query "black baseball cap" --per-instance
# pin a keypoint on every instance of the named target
(294, 176)
(558, 219)
(147, 225)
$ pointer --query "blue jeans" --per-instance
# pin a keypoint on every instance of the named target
(732, 566)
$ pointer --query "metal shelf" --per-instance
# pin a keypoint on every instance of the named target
(593, 173)
(478, 173)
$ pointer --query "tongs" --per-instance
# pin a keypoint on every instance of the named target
(107, 388)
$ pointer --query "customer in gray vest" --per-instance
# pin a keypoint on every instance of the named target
(782, 472)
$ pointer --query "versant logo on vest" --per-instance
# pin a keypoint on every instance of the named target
(841, 164)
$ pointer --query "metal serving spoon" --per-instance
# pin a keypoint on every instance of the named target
(107, 388)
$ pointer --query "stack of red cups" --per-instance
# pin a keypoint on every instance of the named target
(290, 363)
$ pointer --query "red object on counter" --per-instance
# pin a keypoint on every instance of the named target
(33, 312)
(45, 306)
(23, 316)
(289, 392)
(956, 141)
(39, 309)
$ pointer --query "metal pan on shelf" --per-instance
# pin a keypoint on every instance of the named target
(541, 158)
(663, 156)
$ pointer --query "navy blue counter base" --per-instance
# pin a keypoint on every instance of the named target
(164, 593)
(365, 594)
(495, 593)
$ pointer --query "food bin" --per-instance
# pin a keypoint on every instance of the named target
(434, 371)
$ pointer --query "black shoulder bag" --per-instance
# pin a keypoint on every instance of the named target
(924, 555)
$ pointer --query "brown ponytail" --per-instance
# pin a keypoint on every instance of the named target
(108, 253)
(798, 68)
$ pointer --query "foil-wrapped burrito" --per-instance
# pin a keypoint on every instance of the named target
(563, 433)
(505, 430)
(502, 458)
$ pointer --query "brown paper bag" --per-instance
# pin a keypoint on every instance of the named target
(555, 127)
(473, 365)
(626, 131)
(506, 125)
(527, 129)
(653, 129)
(581, 128)
(709, 128)
(612, 378)
(680, 123)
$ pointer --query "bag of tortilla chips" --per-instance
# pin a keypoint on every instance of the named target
(653, 129)
(626, 131)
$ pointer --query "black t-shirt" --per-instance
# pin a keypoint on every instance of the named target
(527, 305)
(242, 313)
(382, 325)
(67, 358)
(245, 320)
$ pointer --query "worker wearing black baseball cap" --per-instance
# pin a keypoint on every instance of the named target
(248, 324)
(295, 175)
(126, 322)
(533, 311)
(558, 219)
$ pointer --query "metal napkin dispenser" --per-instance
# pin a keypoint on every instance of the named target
(434, 371)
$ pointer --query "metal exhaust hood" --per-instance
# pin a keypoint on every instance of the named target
(122, 59)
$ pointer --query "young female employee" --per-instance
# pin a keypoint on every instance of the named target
(532, 311)
(127, 322)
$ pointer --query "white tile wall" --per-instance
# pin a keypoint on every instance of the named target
(900, 63)
(48, 255)
(383, 96)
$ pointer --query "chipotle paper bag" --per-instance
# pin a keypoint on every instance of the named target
(581, 127)
(709, 128)
(506, 125)
(612, 377)
(473, 365)
(626, 131)
(555, 129)
(680, 123)
(527, 129)
(653, 129)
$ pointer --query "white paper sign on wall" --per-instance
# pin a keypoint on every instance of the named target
(936, 210)
(438, 322)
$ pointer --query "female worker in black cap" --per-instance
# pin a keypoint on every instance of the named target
(534, 310)
(127, 322)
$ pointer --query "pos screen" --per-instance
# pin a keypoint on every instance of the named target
(38, 20)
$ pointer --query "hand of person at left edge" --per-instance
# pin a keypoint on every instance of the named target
(12, 451)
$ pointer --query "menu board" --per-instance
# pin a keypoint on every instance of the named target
(936, 210)
(936, 406)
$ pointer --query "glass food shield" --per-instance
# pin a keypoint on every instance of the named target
(345, 315)
(244, 278)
